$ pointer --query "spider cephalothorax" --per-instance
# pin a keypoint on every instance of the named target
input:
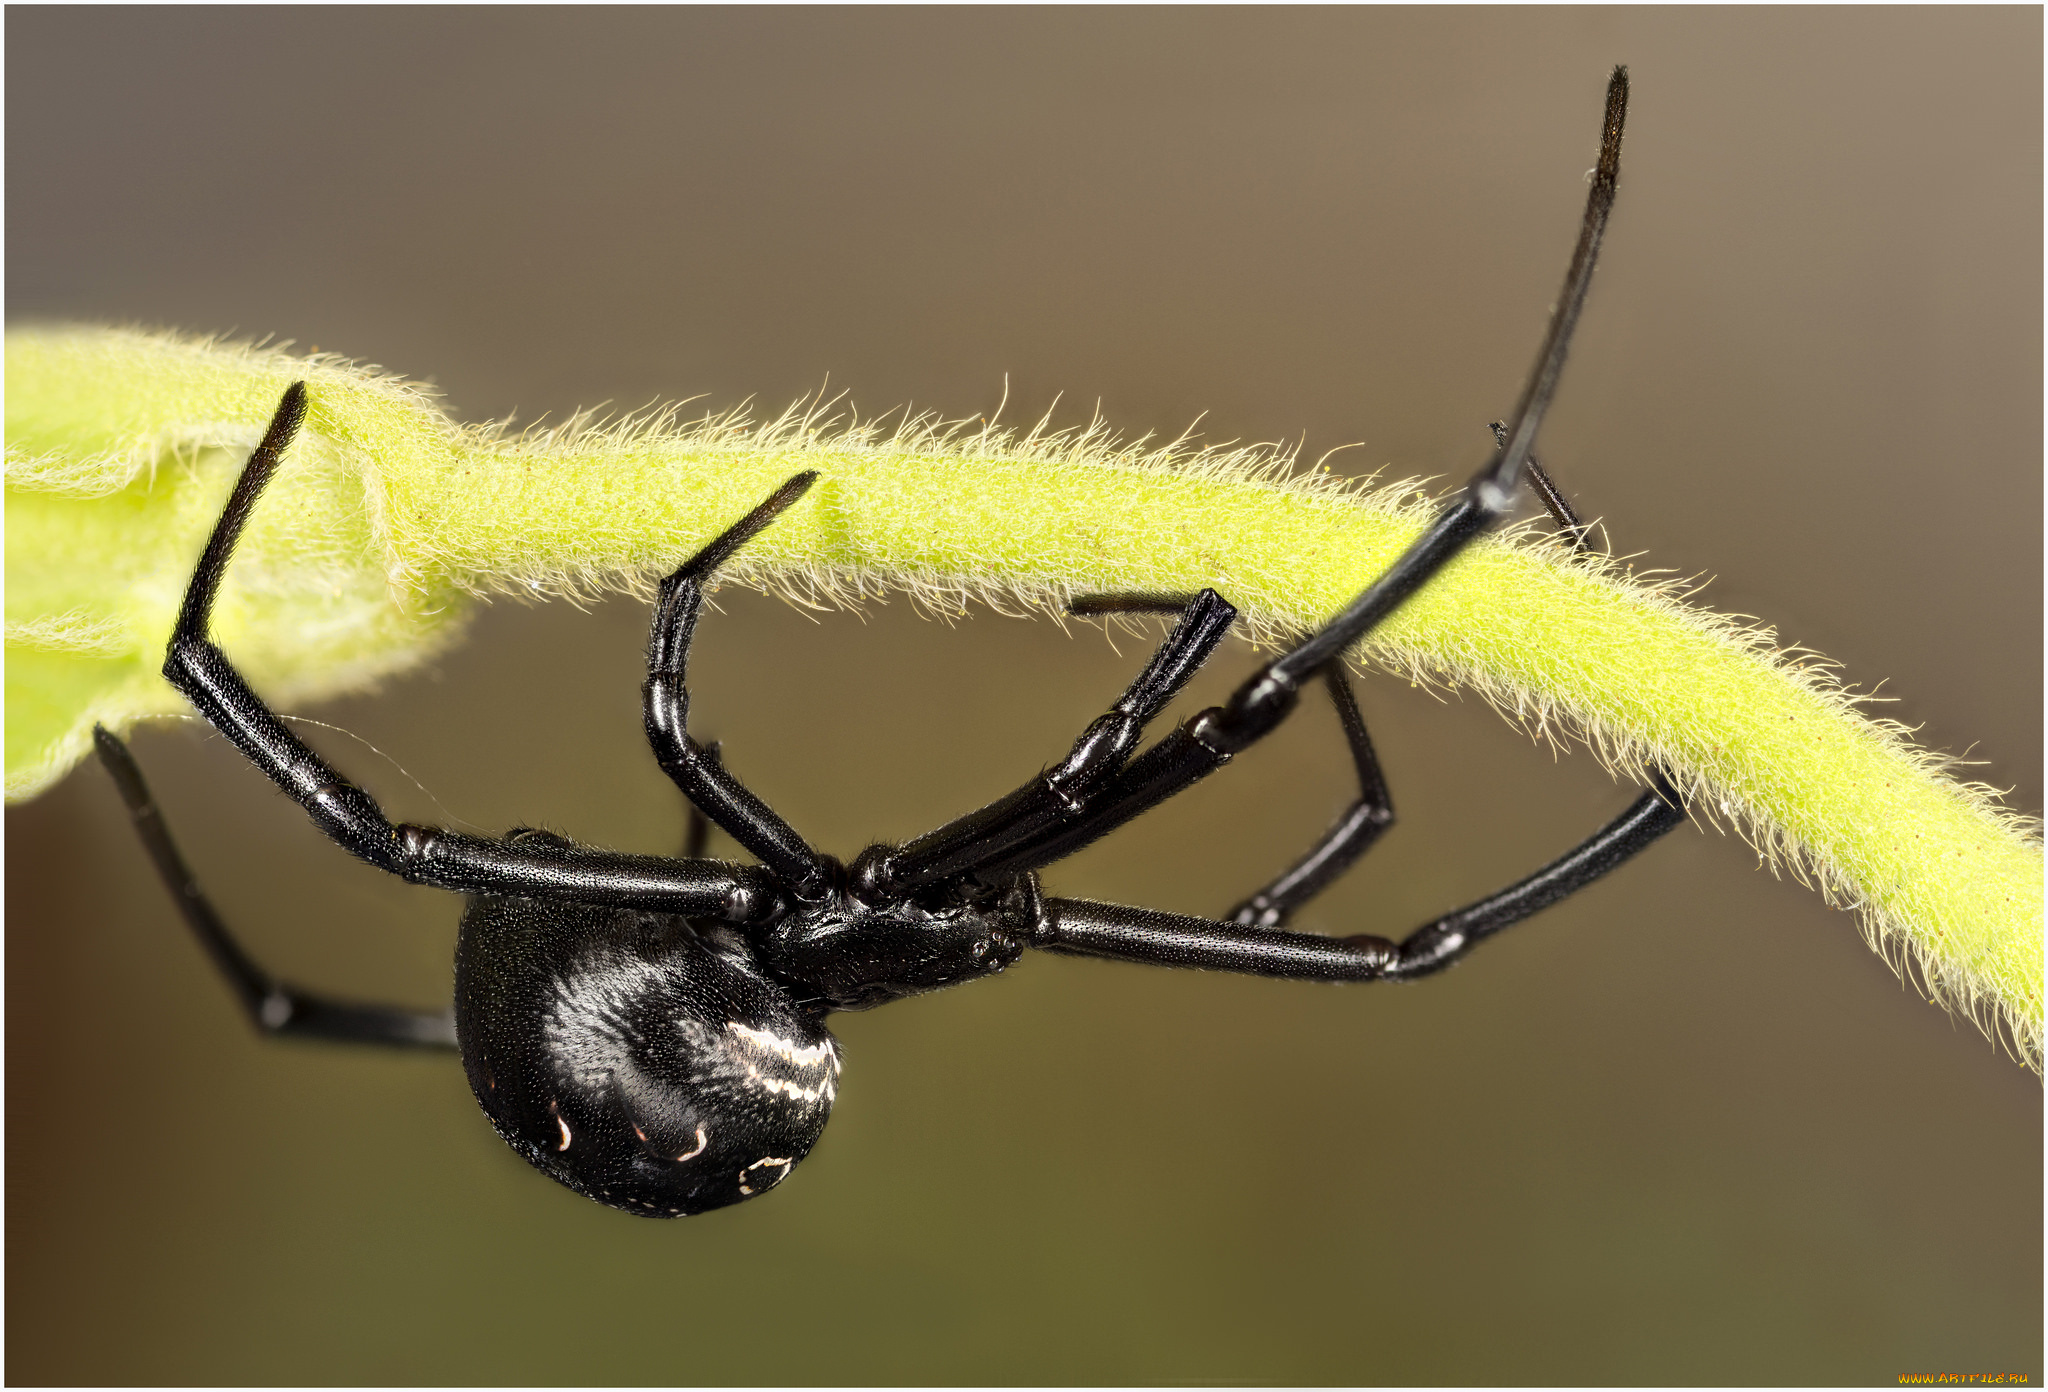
(649, 1030)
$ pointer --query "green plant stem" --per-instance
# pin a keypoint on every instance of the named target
(387, 516)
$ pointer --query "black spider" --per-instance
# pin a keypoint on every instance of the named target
(650, 1031)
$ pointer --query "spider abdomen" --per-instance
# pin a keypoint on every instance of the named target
(640, 1059)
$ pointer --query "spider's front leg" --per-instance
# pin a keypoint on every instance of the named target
(1256, 708)
(1083, 928)
(1356, 829)
(532, 867)
(1159, 939)
(1070, 789)
(1360, 825)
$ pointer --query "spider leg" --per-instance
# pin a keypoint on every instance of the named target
(697, 830)
(273, 1006)
(1064, 792)
(1356, 829)
(1559, 507)
(1581, 537)
(704, 779)
(1081, 928)
(534, 868)
(1349, 837)
(1361, 824)
(1437, 945)
(1208, 741)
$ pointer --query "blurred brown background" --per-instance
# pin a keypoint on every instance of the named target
(1686, 1128)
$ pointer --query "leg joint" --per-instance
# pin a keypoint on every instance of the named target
(352, 817)
(1253, 710)
(1380, 955)
(1428, 951)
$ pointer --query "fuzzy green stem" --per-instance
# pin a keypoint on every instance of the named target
(387, 516)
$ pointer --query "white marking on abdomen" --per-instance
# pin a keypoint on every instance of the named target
(772, 1086)
(805, 1054)
(766, 1160)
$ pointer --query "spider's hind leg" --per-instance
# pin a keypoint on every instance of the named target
(273, 1006)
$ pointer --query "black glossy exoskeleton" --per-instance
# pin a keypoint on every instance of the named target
(650, 1031)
